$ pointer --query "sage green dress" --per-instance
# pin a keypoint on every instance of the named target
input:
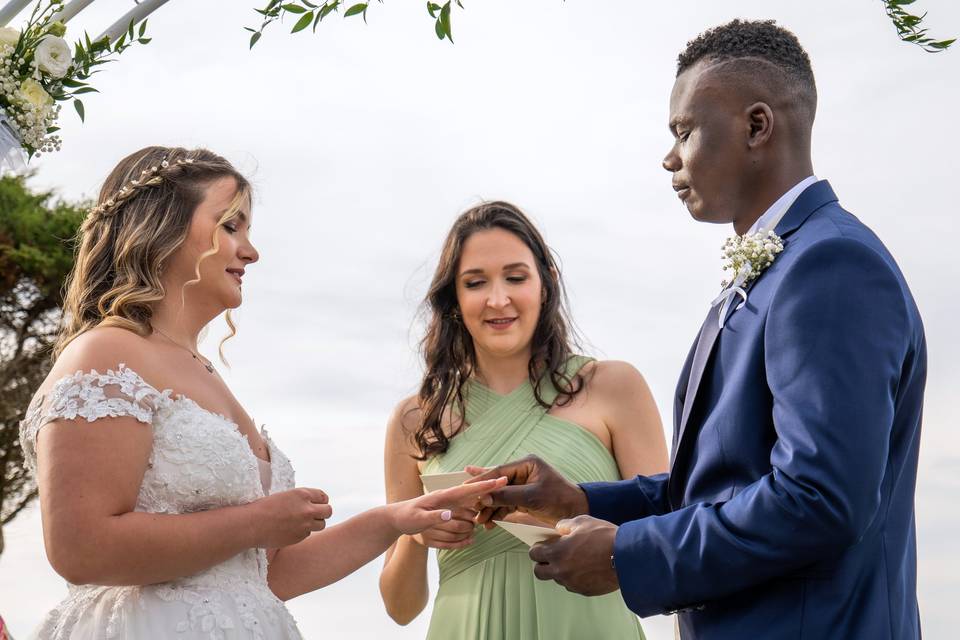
(488, 590)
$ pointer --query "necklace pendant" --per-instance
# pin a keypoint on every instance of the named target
(206, 365)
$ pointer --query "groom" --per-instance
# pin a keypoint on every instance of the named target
(788, 510)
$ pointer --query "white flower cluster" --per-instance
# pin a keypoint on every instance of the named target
(30, 110)
(757, 251)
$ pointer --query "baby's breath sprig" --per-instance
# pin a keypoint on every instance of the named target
(747, 256)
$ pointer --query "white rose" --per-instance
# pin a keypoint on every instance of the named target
(53, 56)
(34, 93)
(10, 36)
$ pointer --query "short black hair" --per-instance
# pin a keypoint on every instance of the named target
(758, 41)
(749, 39)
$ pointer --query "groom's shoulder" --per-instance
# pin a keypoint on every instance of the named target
(833, 233)
(835, 250)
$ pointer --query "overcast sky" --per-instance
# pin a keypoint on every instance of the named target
(364, 143)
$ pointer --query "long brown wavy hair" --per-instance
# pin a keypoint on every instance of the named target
(141, 218)
(447, 348)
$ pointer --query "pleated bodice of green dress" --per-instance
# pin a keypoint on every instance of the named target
(488, 590)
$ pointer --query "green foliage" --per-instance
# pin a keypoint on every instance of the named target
(90, 54)
(908, 26)
(312, 13)
(36, 254)
(36, 241)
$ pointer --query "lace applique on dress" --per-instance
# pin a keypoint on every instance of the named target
(89, 396)
(199, 461)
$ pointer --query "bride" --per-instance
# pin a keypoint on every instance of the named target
(169, 514)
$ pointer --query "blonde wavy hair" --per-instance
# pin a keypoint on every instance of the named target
(141, 218)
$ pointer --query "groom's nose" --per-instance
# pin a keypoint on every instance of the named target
(671, 161)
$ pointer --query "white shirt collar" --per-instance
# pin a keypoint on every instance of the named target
(772, 216)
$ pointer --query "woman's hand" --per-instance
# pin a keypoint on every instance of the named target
(288, 517)
(457, 533)
(437, 508)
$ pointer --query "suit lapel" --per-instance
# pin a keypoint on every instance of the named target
(701, 356)
(701, 353)
(814, 197)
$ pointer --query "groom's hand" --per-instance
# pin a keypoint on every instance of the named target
(580, 559)
(534, 487)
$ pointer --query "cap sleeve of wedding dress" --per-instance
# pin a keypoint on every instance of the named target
(89, 396)
(199, 461)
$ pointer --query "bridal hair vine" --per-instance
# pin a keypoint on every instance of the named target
(149, 177)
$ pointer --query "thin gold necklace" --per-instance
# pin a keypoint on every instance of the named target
(206, 365)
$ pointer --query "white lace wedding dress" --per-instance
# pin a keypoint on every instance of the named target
(199, 461)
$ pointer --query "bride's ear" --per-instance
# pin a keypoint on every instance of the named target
(760, 121)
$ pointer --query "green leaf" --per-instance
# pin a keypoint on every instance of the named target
(445, 20)
(143, 28)
(144, 40)
(438, 27)
(303, 22)
(85, 90)
(432, 8)
(360, 7)
(79, 107)
(254, 38)
(294, 8)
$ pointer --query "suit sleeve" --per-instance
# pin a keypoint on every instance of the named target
(632, 499)
(835, 339)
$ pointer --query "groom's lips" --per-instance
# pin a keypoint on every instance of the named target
(682, 191)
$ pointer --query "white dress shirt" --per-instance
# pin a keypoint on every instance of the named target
(772, 216)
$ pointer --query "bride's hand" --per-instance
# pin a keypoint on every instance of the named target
(288, 517)
(454, 534)
(437, 508)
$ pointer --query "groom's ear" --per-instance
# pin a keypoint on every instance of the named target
(760, 120)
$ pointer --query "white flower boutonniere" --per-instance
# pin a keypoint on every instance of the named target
(746, 256)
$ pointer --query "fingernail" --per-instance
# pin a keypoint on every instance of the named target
(446, 515)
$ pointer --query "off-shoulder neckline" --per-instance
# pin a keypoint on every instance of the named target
(166, 394)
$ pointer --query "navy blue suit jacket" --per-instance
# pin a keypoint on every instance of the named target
(789, 508)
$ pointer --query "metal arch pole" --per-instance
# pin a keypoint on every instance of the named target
(10, 9)
(71, 9)
(135, 15)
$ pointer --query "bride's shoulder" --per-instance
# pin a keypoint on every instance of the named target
(101, 350)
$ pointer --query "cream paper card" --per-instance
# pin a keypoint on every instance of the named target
(528, 533)
(437, 481)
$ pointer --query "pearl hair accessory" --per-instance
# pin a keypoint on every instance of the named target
(148, 177)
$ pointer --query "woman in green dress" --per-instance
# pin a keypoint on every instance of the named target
(501, 381)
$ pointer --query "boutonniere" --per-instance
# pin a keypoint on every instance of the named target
(746, 257)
